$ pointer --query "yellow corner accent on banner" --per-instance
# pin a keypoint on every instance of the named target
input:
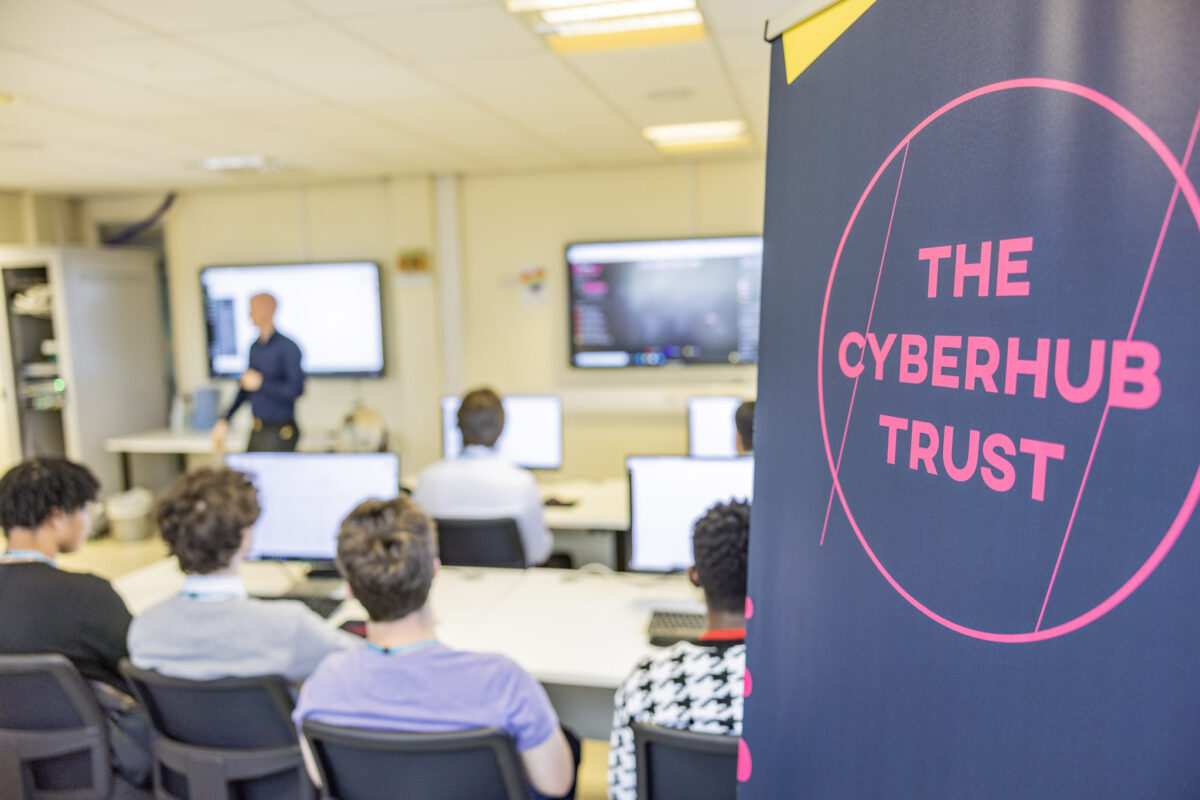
(806, 41)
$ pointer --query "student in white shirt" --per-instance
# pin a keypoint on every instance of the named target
(480, 485)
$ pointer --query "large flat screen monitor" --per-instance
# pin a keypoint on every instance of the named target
(677, 301)
(667, 494)
(331, 310)
(532, 435)
(305, 496)
(712, 431)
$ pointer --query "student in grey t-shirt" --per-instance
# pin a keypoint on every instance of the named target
(212, 629)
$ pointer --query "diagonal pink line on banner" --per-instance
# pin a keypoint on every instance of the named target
(1162, 234)
(870, 315)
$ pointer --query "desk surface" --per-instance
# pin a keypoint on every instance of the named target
(564, 627)
(193, 442)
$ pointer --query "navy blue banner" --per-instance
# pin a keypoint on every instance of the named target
(974, 563)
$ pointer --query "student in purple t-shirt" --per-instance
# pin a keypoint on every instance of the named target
(403, 679)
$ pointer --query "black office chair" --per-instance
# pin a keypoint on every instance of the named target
(221, 738)
(674, 763)
(357, 764)
(53, 739)
(480, 543)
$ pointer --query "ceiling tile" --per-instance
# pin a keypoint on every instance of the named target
(147, 60)
(35, 76)
(743, 16)
(51, 23)
(470, 33)
(349, 8)
(528, 74)
(663, 85)
(192, 16)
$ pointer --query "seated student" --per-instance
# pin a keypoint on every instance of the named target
(696, 687)
(743, 419)
(212, 629)
(480, 485)
(403, 679)
(44, 509)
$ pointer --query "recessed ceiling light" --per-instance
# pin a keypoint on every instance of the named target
(600, 27)
(626, 8)
(248, 163)
(670, 93)
(698, 135)
(5, 99)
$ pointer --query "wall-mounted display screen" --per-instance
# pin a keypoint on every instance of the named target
(330, 310)
(653, 303)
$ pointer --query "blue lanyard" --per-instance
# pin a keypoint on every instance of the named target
(407, 648)
(28, 555)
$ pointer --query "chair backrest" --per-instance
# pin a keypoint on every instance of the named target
(53, 738)
(212, 735)
(235, 713)
(358, 764)
(677, 763)
(480, 543)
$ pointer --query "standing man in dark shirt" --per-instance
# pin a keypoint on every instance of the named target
(272, 383)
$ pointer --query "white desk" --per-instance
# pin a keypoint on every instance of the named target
(164, 441)
(577, 633)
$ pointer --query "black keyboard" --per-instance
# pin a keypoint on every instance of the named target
(669, 627)
(325, 606)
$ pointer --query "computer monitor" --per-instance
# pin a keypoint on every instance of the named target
(305, 496)
(532, 435)
(667, 494)
(712, 432)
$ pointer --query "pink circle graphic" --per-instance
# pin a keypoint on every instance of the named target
(749, 608)
(745, 766)
(747, 684)
(1188, 190)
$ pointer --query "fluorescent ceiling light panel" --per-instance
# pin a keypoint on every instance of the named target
(626, 8)
(521, 6)
(606, 26)
(732, 130)
(239, 163)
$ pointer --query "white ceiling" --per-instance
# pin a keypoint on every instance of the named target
(130, 94)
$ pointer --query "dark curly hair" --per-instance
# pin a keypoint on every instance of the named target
(481, 417)
(720, 549)
(385, 551)
(202, 517)
(33, 490)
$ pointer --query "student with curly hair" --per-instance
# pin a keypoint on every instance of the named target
(693, 686)
(212, 629)
(404, 679)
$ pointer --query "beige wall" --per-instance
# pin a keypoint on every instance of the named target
(506, 223)
(38, 219)
(515, 221)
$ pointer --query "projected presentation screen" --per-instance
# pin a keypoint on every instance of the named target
(711, 427)
(330, 310)
(667, 494)
(680, 301)
(532, 435)
(305, 496)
